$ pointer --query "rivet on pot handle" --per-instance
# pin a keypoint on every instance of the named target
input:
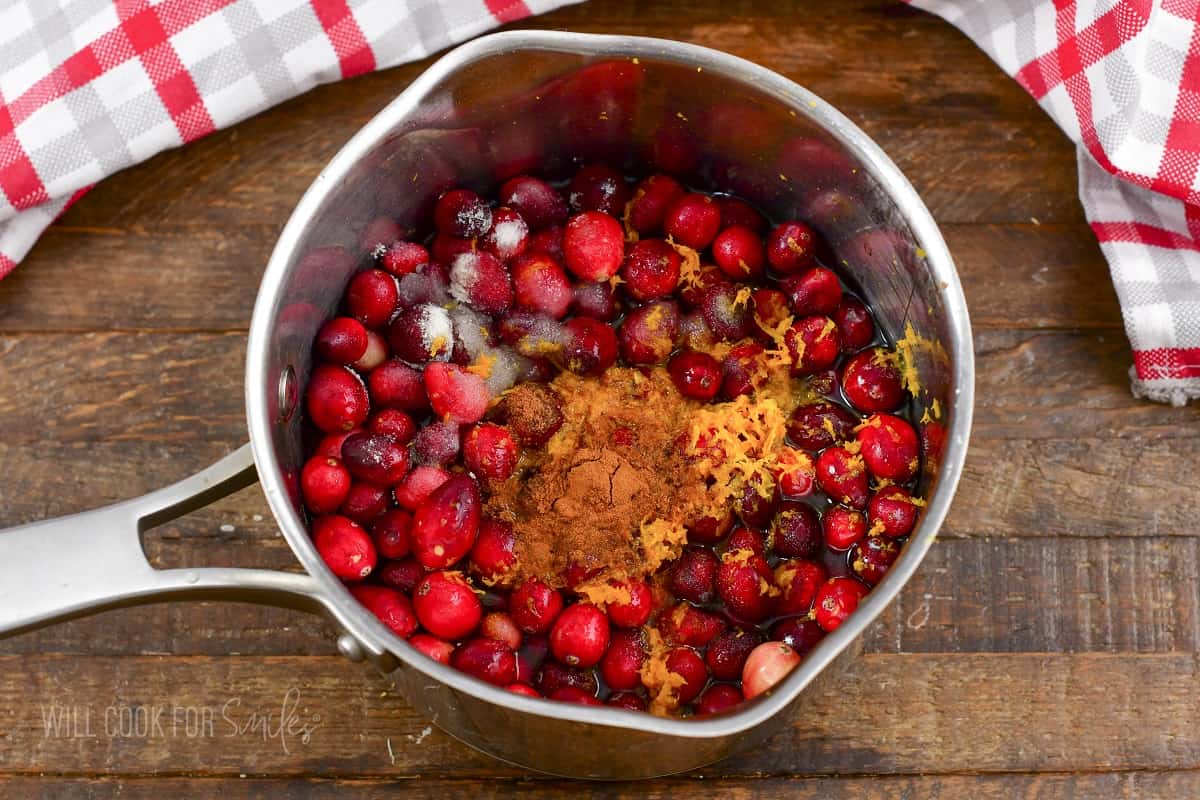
(72, 566)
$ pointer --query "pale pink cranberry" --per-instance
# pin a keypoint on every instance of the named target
(791, 247)
(693, 220)
(796, 530)
(854, 324)
(420, 482)
(687, 663)
(342, 340)
(509, 235)
(535, 606)
(739, 253)
(371, 297)
(798, 582)
(651, 200)
(375, 458)
(535, 200)
(598, 187)
(375, 354)
(456, 394)
(651, 270)
(837, 599)
(487, 659)
(392, 608)
(647, 334)
(336, 399)
(344, 547)
(769, 664)
(889, 447)
(892, 510)
(814, 344)
(437, 649)
(622, 663)
(540, 284)
(391, 533)
(842, 476)
(445, 525)
(871, 381)
(403, 258)
(580, 635)
(490, 452)
(324, 482)
(462, 213)
(728, 651)
(814, 291)
(394, 384)
(695, 375)
(446, 605)
(591, 346)
(593, 246)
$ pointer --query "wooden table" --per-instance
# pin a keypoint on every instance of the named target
(1046, 648)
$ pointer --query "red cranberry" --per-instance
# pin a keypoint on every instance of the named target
(872, 558)
(342, 340)
(739, 253)
(420, 482)
(324, 482)
(743, 370)
(531, 656)
(728, 651)
(541, 284)
(445, 248)
(889, 447)
(651, 200)
(331, 446)
(598, 187)
(815, 426)
(836, 600)
(548, 242)
(651, 270)
(695, 375)
(446, 605)
(570, 694)
(393, 609)
(371, 297)
(626, 700)
(687, 625)
(535, 606)
(769, 313)
(481, 281)
(745, 539)
(813, 343)
(490, 452)
(798, 582)
(791, 247)
(509, 235)
(535, 200)
(580, 635)
(394, 384)
(402, 575)
(710, 529)
(693, 220)
(456, 394)
(796, 531)
(635, 612)
(754, 506)
(403, 258)
(726, 309)
(842, 476)
(693, 576)
(854, 324)
(532, 413)
(422, 333)
(554, 677)
(872, 382)
(444, 527)
(394, 423)
(746, 584)
(486, 659)
(622, 664)
(718, 697)
(795, 472)
(687, 663)
(391, 533)
(769, 664)
(523, 688)
(591, 346)
(814, 291)
(344, 547)
(737, 212)
(594, 246)
(438, 649)
(493, 552)
(336, 399)
(647, 334)
(892, 511)
(799, 633)
(375, 458)
(462, 213)
(693, 289)
(364, 502)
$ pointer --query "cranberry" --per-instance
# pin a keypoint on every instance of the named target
(687, 663)
(342, 340)
(336, 399)
(594, 246)
(798, 582)
(739, 253)
(791, 247)
(445, 525)
(403, 258)
(598, 187)
(647, 334)
(402, 575)
(571, 694)
(622, 664)
(535, 200)
(693, 220)
(873, 557)
(420, 482)
(580, 635)
(438, 443)
(651, 200)
(364, 502)
(889, 447)
(795, 472)
(695, 375)
(710, 529)
(524, 689)
(718, 697)
(456, 394)
(754, 505)
(799, 633)
(487, 659)
(375, 458)
(769, 312)
(331, 446)
(836, 600)
(422, 333)
(595, 300)
(693, 576)
(591, 346)
(685, 624)
(693, 289)
(393, 423)
(540, 284)
(532, 413)
(531, 656)
(626, 700)
(480, 280)
(445, 248)
(371, 297)
(391, 533)
(394, 384)
(392, 608)
(728, 651)
(462, 213)
(635, 612)
(493, 552)
(854, 324)
(735, 212)
(548, 242)
(746, 584)
(446, 605)
(745, 539)
(842, 476)
(324, 482)
(438, 649)
(651, 270)
(509, 235)
(796, 530)
(813, 343)
(344, 547)
(892, 511)
(490, 452)
(743, 370)
(535, 606)
(769, 664)
(553, 677)
(872, 382)
(726, 310)
(815, 426)
(375, 354)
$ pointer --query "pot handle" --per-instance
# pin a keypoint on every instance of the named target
(76, 565)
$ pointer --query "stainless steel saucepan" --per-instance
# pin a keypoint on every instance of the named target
(492, 108)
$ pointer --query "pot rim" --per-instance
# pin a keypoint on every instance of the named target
(378, 639)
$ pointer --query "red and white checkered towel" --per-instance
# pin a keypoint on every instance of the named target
(88, 87)
(1122, 79)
